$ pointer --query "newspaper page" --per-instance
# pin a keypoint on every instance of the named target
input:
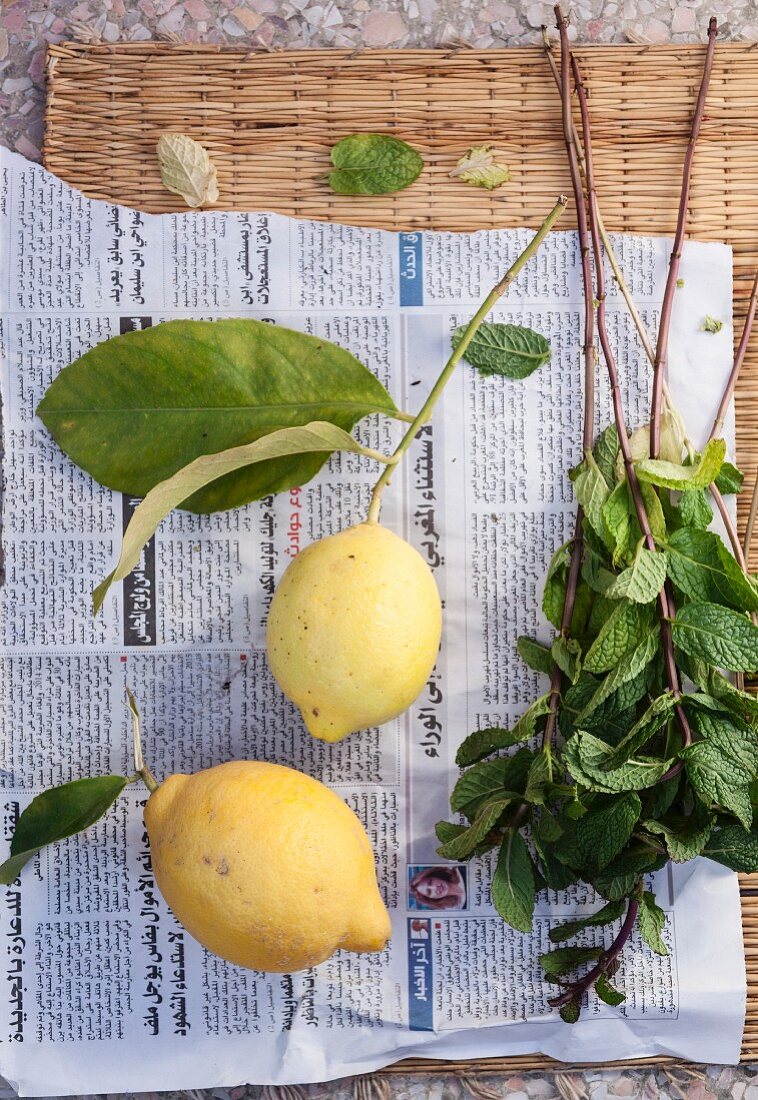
(102, 989)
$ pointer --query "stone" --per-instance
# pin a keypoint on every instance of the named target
(24, 146)
(172, 21)
(111, 32)
(197, 9)
(248, 19)
(3, 43)
(15, 84)
(683, 20)
(381, 28)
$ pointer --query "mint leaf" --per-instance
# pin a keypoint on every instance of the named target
(650, 922)
(567, 654)
(588, 759)
(735, 740)
(717, 778)
(685, 836)
(668, 475)
(740, 703)
(566, 959)
(620, 878)
(511, 351)
(629, 669)
(538, 779)
(643, 579)
(465, 844)
(480, 168)
(607, 915)
(654, 717)
(591, 491)
(513, 883)
(623, 630)
(607, 993)
(718, 635)
(554, 592)
(730, 479)
(484, 742)
(694, 509)
(618, 521)
(570, 1012)
(711, 324)
(503, 779)
(535, 655)
(598, 837)
(703, 569)
(606, 450)
(373, 164)
(735, 847)
(59, 813)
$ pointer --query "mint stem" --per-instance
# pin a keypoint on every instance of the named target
(459, 352)
(577, 548)
(577, 989)
(661, 348)
(665, 600)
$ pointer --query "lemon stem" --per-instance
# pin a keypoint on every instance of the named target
(458, 353)
(140, 766)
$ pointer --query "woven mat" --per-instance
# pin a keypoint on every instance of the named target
(270, 120)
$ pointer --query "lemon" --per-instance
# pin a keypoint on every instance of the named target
(354, 630)
(265, 866)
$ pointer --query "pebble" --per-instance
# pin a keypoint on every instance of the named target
(247, 18)
(381, 28)
(16, 84)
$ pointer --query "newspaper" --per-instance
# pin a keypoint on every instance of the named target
(102, 990)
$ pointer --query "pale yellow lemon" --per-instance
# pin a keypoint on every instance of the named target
(265, 866)
(354, 630)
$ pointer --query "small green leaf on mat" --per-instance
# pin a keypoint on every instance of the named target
(710, 324)
(59, 813)
(187, 169)
(373, 164)
(511, 351)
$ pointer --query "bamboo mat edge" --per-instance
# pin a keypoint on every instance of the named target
(112, 90)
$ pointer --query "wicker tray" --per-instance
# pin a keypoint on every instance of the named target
(270, 120)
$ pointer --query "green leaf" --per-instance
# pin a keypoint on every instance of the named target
(570, 1012)
(620, 878)
(500, 779)
(484, 742)
(479, 168)
(740, 703)
(446, 831)
(535, 655)
(605, 451)
(735, 847)
(538, 779)
(625, 672)
(598, 837)
(650, 922)
(694, 509)
(655, 716)
(567, 654)
(464, 845)
(587, 758)
(513, 883)
(564, 960)
(685, 836)
(59, 813)
(711, 324)
(623, 630)
(618, 521)
(668, 475)
(511, 351)
(591, 491)
(703, 569)
(643, 579)
(607, 993)
(718, 778)
(730, 479)
(735, 740)
(318, 437)
(717, 635)
(139, 407)
(373, 164)
(607, 915)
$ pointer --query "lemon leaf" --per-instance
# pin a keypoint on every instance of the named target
(187, 169)
(318, 437)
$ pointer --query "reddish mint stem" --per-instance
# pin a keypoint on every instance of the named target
(579, 988)
(661, 349)
(664, 599)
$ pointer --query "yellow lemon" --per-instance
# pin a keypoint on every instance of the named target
(354, 630)
(265, 866)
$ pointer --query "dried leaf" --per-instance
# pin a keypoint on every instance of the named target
(479, 168)
(187, 169)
